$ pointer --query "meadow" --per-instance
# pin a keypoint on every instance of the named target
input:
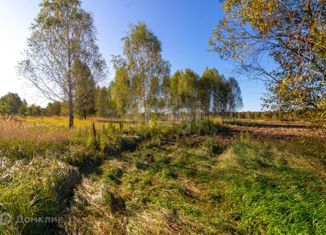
(157, 145)
(204, 177)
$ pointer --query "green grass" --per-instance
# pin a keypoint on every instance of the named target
(275, 195)
(162, 179)
(255, 187)
(41, 162)
(35, 189)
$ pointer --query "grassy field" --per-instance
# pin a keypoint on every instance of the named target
(187, 178)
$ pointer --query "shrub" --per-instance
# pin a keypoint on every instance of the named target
(203, 127)
(128, 144)
(114, 175)
(206, 127)
(213, 147)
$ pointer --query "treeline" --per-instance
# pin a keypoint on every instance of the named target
(12, 104)
(95, 104)
(142, 85)
(184, 95)
(173, 103)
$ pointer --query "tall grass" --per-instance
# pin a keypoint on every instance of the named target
(32, 190)
(158, 179)
(254, 187)
(272, 194)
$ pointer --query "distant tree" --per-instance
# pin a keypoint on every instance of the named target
(292, 33)
(35, 110)
(208, 89)
(176, 101)
(111, 107)
(53, 109)
(154, 94)
(102, 102)
(61, 34)
(121, 90)
(144, 62)
(184, 91)
(23, 108)
(85, 90)
(4, 110)
(227, 97)
(64, 108)
(234, 95)
(221, 96)
(188, 88)
(13, 102)
(166, 94)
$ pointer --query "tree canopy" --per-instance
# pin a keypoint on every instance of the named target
(85, 90)
(292, 33)
(61, 34)
(144, 66)
(11, 103)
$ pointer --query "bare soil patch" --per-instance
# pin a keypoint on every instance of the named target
(277, 129)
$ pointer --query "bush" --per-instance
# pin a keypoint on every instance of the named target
(213, 147)
(128, 144)
(208, 127)
(114, 175)
(203, 127)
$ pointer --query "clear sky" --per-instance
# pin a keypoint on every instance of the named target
(183, 26)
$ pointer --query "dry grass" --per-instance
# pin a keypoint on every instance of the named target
(78, 123)
(158, 221)
(90, 213)
(22, 131)
(50, 129)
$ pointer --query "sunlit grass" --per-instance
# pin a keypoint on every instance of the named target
(29, 131)
(59, 122)
(162, 178)
(254, 187)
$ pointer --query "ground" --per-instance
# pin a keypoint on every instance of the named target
(243, 178)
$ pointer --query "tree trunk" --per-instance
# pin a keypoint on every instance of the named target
(146, 114)
(70, 99)
(71, 110)
(70, 86)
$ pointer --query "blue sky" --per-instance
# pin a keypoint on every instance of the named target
(183, 26)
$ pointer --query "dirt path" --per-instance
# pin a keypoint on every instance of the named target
(271, 129)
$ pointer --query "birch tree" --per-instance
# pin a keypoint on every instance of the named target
(144, 62)
(61, 34)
